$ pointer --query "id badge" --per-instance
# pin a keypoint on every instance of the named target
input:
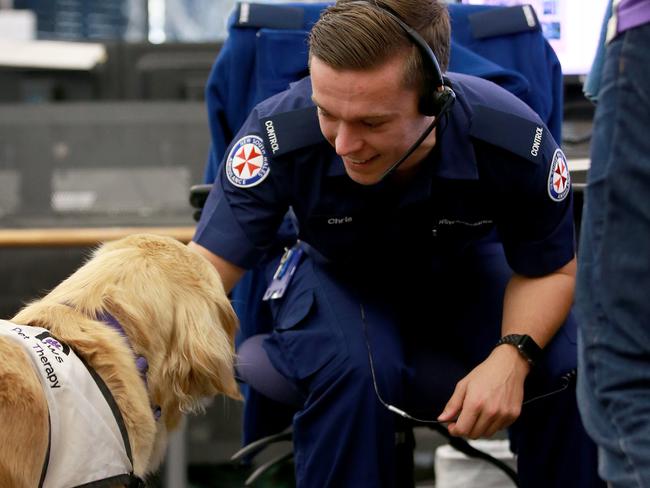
(284, 272)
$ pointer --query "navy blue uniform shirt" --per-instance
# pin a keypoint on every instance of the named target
(495, 171)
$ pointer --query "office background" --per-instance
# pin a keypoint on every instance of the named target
(103, 124)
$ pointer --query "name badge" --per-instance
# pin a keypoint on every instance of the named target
(284, 272)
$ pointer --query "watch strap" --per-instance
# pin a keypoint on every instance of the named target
(525, 344)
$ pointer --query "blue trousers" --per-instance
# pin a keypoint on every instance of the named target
(427, 326)
(613, 295)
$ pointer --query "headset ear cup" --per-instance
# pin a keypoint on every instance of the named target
(437, 103)
(427, 105)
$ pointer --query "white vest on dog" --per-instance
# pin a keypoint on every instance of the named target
(86, 444)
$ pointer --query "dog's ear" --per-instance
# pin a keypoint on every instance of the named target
(201, 349)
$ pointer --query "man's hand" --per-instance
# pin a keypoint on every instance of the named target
(489, 398)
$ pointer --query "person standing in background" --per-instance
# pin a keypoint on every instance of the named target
(613, 260)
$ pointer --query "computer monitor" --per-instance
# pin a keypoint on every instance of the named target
(572, 27)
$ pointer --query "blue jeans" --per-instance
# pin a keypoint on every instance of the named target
(613, 292)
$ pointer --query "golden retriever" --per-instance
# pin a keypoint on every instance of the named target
(172, 307)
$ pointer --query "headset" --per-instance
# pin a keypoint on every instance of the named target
(434, 103)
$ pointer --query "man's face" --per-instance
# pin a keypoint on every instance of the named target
(369, 118)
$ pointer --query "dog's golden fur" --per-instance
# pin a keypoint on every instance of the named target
(172, 306)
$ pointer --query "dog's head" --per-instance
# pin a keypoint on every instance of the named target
(172, 304)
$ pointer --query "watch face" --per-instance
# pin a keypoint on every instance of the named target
(525, 344)
(528, 346)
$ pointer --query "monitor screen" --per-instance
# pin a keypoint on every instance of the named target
(572, 27)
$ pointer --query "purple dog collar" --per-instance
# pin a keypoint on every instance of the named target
(140, 361)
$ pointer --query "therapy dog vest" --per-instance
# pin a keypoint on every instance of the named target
(88, 440)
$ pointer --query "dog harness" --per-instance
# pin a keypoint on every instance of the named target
(88, 441)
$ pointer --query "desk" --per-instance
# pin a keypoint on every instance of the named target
(51, 54)
(579, 168)
(579, 164)
(83, 237)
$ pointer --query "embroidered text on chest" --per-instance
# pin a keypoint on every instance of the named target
(339, 220)
(478, 223)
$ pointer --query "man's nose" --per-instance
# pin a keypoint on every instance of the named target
(348, 140)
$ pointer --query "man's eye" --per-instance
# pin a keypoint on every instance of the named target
(372, 124)
(324, 114)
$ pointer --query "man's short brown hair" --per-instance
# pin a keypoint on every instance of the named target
(356, 35)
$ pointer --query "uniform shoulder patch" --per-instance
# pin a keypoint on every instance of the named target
(288, 131)
(519, 134)
(247, 164)
(501, 21)
(259, 15)
(559, 179)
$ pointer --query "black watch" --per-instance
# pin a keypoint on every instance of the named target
(525, 344)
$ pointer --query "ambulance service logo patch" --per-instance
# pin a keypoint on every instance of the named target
(559, 180)
(247, 164)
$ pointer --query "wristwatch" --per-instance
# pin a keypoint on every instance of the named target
(525, 344)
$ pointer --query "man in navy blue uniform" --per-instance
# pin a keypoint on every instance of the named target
(435, 268)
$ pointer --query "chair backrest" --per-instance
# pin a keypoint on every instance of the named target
(506, 45)
(267, 49)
